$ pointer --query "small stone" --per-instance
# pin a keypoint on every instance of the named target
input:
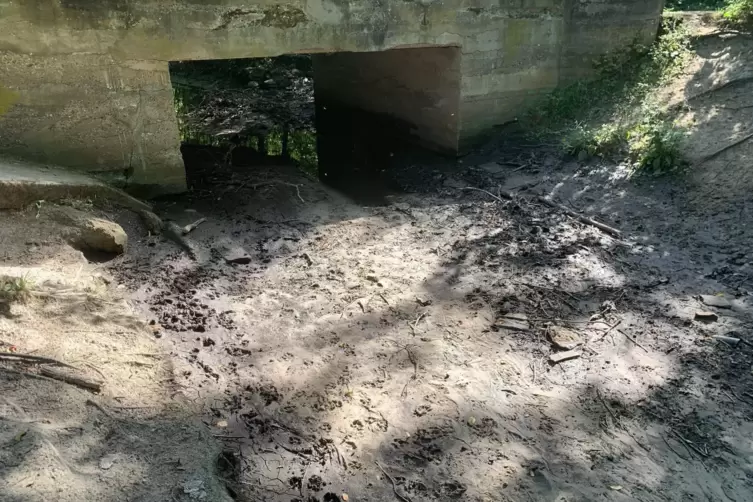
(372, 278)
(564, 338)
(559, 357)
(195, 490)
(716, 301)
(514, 322)
(452, 182)
(492, 168)
(237, 256)
(107, 461)
(706, 316)
(401, 206)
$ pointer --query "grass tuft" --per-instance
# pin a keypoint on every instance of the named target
(15, 288)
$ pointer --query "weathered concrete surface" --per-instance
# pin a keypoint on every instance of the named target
(23, 183)
(85, 82)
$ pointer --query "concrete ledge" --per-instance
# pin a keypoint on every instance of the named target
(22, 183)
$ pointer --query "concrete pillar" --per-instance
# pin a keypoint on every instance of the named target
(371, 99)
(95, 114)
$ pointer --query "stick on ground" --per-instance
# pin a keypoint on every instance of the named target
(27, 358)
(72, 379)
(583, 219)
(725, 148)
(394, 485)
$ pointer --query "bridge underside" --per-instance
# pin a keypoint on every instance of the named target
(86, 84)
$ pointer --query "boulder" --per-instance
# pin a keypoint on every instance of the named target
(88, 232)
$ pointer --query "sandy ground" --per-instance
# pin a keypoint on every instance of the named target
(399, 348)
(134, 440)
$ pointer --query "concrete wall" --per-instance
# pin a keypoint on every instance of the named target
(85, 82)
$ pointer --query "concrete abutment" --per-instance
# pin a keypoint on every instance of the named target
(85, 84)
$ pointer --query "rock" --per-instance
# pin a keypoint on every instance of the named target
(564, 338)
(401, 206)
(559, 357)
(237, 256)
(514, 322)
(727, 339)
(195, 489)
(716, 301)
(107, 461)
(452, 182)
(706, 316)
(492, 168)
(91, 233)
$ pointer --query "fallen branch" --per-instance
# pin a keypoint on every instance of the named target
(394, 485)
(191, 227)
(27, 358)
(725, 148)
(583, 219)
(71, 379)
(719, 88)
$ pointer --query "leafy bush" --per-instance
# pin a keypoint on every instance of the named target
(602, 141)
(739, 13)
(655, 146)
(617, 113)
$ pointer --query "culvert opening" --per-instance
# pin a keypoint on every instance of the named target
(245, 112)
(347, 118)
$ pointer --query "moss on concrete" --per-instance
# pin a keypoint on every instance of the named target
(283, 16)
(8, 98)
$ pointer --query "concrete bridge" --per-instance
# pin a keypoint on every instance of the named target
(85, 83)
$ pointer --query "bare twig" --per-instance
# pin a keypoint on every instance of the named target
(96, 405)
(673, 450)
(414, 324)
(72, 379)
(27, 358)
(272, 182)
(503, 194)
(719, 88)
(610, 330)
(192, 226)
(394, 485)
(632, 340)
(725, 148)
(611, 413)
(583, 219)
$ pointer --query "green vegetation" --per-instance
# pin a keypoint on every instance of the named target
(617, 115)
(15, 288)
(739, 13)
(695, 4)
